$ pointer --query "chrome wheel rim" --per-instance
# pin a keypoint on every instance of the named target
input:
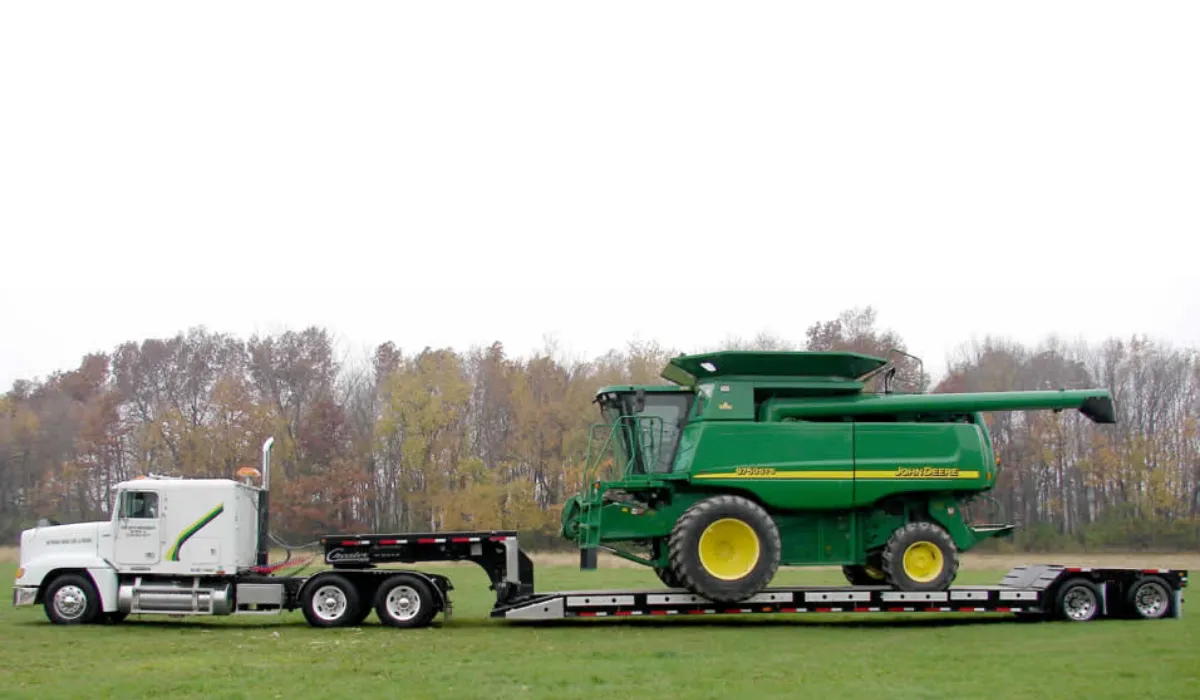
(1151, 600)
(1079, 603)
(329, 603)
(70, 602)
(403, 602)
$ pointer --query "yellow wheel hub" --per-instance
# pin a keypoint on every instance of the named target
(729, 549)
(923, 561)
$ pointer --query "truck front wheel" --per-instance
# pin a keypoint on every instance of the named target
(920, 557)
(725, 548)
(71, 599)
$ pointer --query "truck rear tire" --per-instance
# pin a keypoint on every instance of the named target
(725, 548)
(405, 601)
(71, 599)
(331, 600)
(920, 556)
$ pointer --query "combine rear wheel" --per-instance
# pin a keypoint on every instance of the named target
(870, 574)
(920, 557)
(724, 548)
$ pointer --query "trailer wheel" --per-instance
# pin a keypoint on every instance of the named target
(1149, 598)
(725, 548)
(1078, 600)
(405, 601)
(331, 601)
(71, 599)
(920, 556)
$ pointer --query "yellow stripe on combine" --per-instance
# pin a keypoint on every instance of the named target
(903, 473)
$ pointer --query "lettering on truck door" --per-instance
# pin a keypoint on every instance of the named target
(139, 528)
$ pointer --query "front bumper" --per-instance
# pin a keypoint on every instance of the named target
(23, 596)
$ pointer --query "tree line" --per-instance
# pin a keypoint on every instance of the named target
(441, 439)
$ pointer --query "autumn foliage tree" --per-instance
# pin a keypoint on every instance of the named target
(438, 439)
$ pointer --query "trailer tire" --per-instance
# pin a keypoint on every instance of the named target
(725, 548)
(71, 599)
(1078, 600)
(1149, 598)
(920, 556)
(331, 600)
(405, 601)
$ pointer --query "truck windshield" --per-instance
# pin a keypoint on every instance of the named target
(651, 434)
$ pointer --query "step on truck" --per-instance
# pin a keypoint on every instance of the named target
(200, 547)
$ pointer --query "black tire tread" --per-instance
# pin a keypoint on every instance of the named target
(92, 613)
(424, 591)
(354, 603)
(684, 527)
(922, 529)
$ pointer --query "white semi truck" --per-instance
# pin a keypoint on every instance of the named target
(199, 547)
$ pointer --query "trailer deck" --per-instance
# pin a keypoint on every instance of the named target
(1046, 590)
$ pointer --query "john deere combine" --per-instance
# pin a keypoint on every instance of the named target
(750, 460)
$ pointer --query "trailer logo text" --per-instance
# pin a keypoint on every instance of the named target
(335, 555)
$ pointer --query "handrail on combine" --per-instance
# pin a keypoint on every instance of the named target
(644, 443)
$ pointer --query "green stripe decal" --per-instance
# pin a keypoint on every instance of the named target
(173, 553)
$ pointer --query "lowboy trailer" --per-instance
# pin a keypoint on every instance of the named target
(1050, 591)
(200, 547)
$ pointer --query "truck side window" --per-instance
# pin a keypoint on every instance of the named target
(139, 504)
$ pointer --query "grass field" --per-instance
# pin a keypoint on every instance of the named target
(836, 656)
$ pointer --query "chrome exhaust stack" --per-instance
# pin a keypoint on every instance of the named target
(264, 505)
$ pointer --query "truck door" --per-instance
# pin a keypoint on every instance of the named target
(139, 528)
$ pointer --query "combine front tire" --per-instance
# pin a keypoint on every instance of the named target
(668, 578)
(724, 548)
(920, 557)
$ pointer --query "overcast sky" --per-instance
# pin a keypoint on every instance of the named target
(457, 173)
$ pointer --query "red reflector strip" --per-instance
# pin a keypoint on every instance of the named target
(896, 609)
(862, 610)
(969, 609)
(391, 541)
(349, 543)
(788, 610)
(659, 612)
(587, 613)
(497, 539)
(460, 539)
(1004, 610)
(824, 609)
(1154, 571)
(430, 540)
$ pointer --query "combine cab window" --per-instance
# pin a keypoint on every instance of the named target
(653, 430)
